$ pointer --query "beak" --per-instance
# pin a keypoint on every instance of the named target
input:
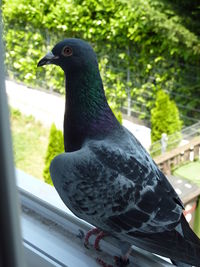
(47, 59)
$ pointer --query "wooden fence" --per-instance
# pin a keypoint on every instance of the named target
(179, 155)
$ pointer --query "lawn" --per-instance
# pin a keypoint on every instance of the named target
(30, 140)
(190, 171)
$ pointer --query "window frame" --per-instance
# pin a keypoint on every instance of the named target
(11, 252)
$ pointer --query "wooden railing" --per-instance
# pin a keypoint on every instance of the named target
(179, 155)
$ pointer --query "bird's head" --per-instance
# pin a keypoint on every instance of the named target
(70, 54)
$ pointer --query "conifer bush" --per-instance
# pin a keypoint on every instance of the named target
(55, 147)
(165, 119)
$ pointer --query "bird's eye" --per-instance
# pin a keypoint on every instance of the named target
(67, 51)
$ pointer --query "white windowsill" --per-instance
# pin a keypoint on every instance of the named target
(50, 232)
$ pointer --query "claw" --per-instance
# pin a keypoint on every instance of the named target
(86, 245)
(121, 261)
(80, 234)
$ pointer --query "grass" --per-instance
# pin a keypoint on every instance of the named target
(30, 140)
(190, 171)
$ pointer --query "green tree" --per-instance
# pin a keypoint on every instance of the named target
(55, 147)
(150, 39)
(165, 119)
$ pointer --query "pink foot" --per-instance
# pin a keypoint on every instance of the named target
(100, 234)
(94, 231)
(103, 263)
(119, 261)
(97, 240)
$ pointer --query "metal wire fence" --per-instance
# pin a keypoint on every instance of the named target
(177, 139)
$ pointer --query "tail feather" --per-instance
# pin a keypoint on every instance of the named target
(191, 237)
(180, 264)
(188, 233)
(182, 247)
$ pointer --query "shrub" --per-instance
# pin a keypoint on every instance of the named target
(165, 119)
(55, 147)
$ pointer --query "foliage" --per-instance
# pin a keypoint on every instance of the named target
(55, 147)
(187, 10)
(147, 38)
(165, 119)
(27, 135)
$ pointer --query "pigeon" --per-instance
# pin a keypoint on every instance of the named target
(105, 176)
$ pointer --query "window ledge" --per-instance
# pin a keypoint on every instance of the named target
(50, 232)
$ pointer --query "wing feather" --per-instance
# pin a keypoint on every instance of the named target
(111, 188)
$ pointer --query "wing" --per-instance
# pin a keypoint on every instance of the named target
(178, 245)
(110, 188)
(152, 205)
